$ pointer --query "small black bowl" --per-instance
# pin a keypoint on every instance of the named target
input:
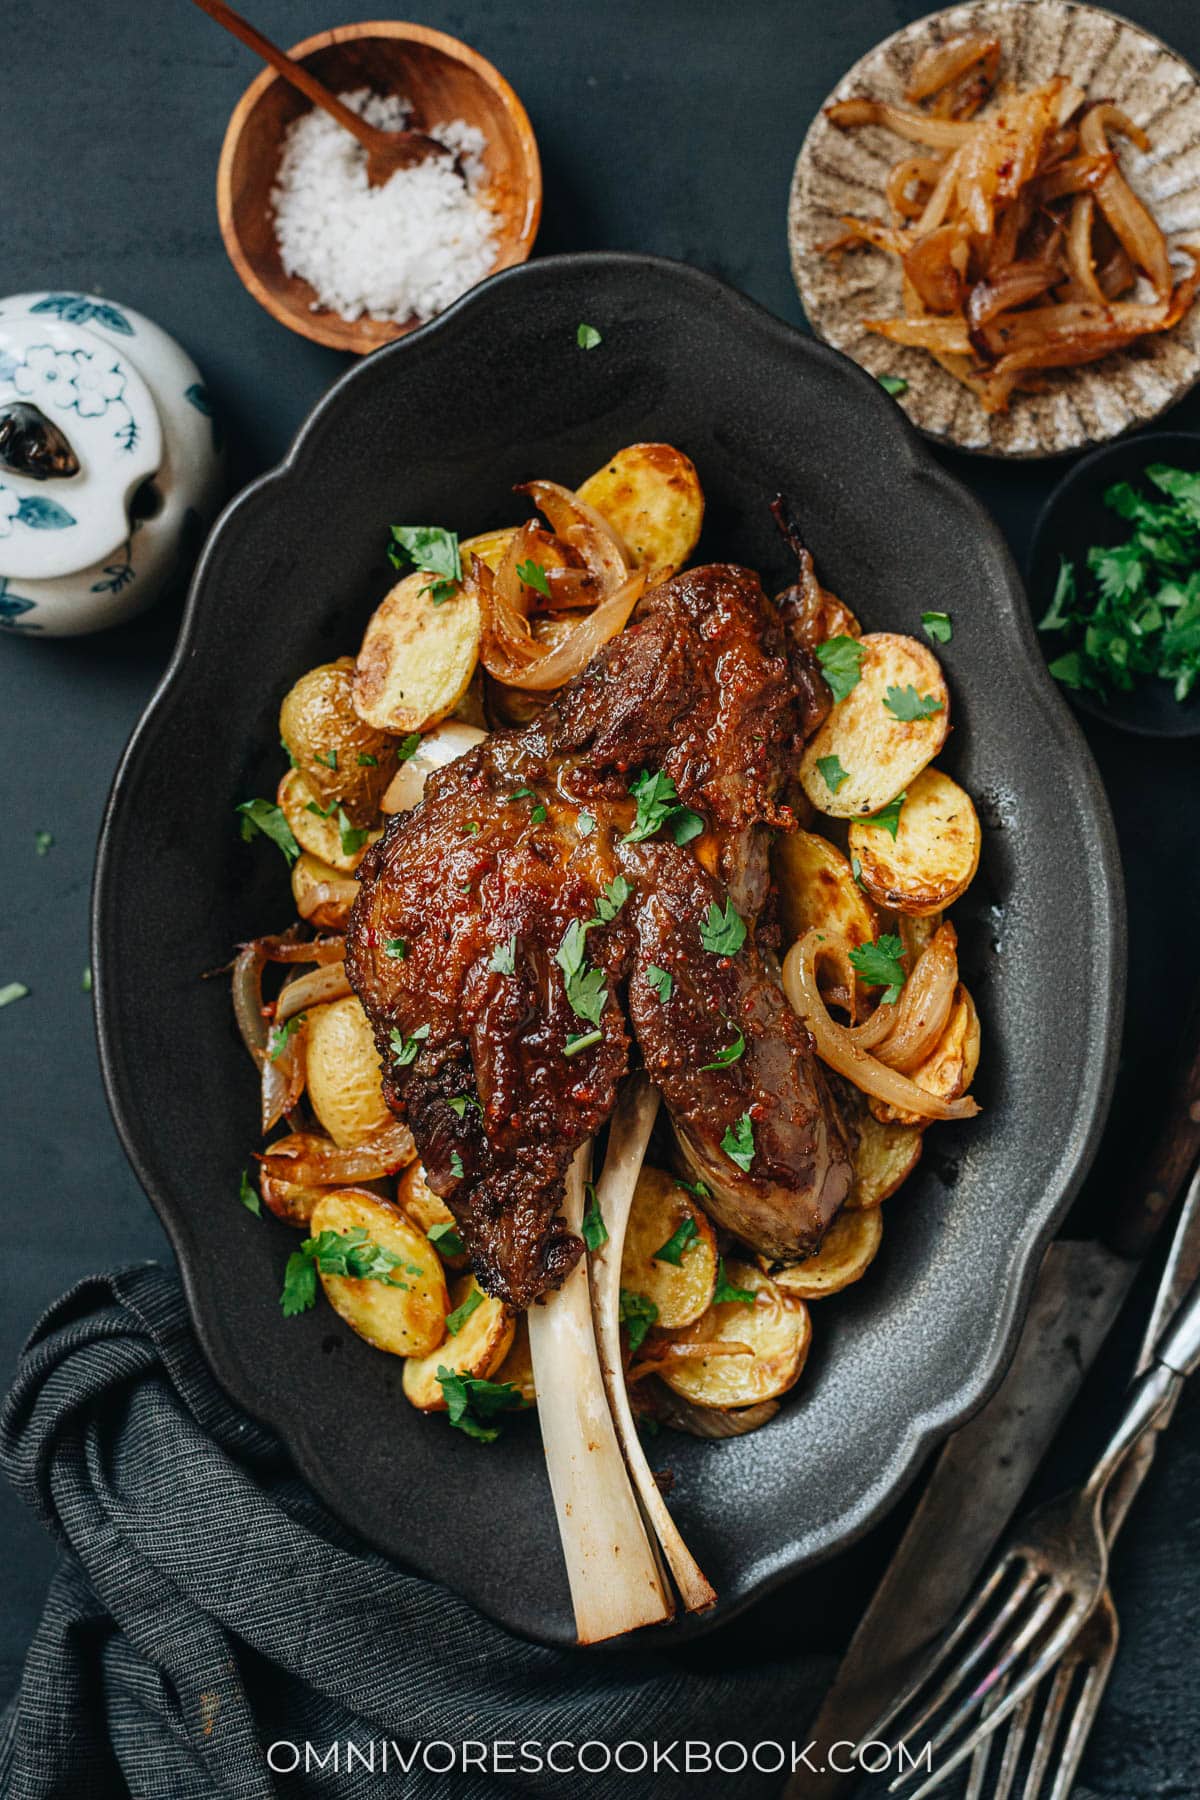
(1072, 520)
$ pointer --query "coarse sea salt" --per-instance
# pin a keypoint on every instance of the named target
(403, 250)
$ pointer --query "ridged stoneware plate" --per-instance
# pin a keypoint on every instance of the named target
(437, 429)
(839, 172)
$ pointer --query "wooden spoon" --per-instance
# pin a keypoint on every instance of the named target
(386, 151)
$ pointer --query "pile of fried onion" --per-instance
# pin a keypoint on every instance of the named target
(1019, 239)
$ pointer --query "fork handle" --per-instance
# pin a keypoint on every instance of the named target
(1176, 1356)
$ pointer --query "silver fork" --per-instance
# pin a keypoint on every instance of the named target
(1032, 1605)
(1082, 1676)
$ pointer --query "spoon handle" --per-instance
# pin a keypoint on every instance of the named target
(291, 71)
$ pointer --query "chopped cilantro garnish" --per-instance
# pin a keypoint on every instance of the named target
(321, 812)
(367, 761)
(841, 664)
(534, 576)
(586, 991)
(723, 932)
(895, 385)
(658, 805)
(248, 1195)
(685, 1233)
(538, 814)
(887, 818)
(352, 839)
(408, 746)
(327, 757)
(738, 1142)
(282, 1035)
(637, 1313)
(459, 1104)
(725, 1292)
(13, 990)
(662, 981)
(593, 1230)
(697, 1189)
(351, 1254)
(907, 705)
(431, 549)
(456, 1165)
(937, 627)
(472, 828)
(396, 948)
(43, 841)
(585, 824)
(504, 958)
(723, 1058)
(85, 980)
(265, 817)
(587, 337)
(404, 1049)
(581, 1040)
(612, 899)
(832, 772)
(457, 1319)
(522, 794)
(471, 1401)
(881, 964)
(445, 1239)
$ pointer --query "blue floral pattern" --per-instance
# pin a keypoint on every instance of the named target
(37, 511)
(77, 381)
(77, 309)
(12, 606)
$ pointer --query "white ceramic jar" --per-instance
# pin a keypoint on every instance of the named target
(110, 462)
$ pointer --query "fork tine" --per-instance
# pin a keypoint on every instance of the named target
(1014, 1743)
(979, 1762)
(933, 1660)
(1086, 1708)
(1043, 1749)
(1046, 1658)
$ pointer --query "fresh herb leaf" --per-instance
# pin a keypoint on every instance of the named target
(396, 948)
(367, 761)
(684, 825)
(472, 828)
(697, 1189)
(662, 981)
(881, 964)
(327, 758)
(299, 1285)
(350, 1254)
(538, 814)
(408, 746)
(459, 1104)
(321, 812)
(282, 1035)
(534, 576)
(445, 1239)
(430, 549)
(587, 337)
(262, 816)
(723, 1058)
(86, 980)
(286, 748)
(738, 1142)
(521, 794)
(907, 705)
(841, 664)
(504, 958)
(612, 899)
(656, 800)
(456, 1165)
(404, 1049)
(685, 1233)
(1063, 602)
(895, 385)
(581, 1040)
(248, 1195)
(457, 1319)
(352, 839)
(1068, 669)
(723, 932)
(593, 1230)
(42, 842)
(471, 1402)
(887, 818)
(585, 824)
(586, 991)
(637, 1313)
(724, 1293)
(937, 627)
(832, 772)
(856, 871)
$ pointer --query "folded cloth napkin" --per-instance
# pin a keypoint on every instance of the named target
(209, 1619)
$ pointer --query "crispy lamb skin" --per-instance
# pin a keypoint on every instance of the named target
(520, 838)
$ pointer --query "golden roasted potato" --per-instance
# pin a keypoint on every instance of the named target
(517, 1367)
(661, 1208)
(877, 754)
(428, 1211)
(321, 834)
(651, 495)
(916, 934)
(444, 744)
(344, 1073)
(323, 894)
(290, 1201)
(844, 1257)
(417, 658)
(886, 1155)
(932, 860)
(344, 761)
(488, 546)
(404, 1320)
(817, 890)
(478, 1347)
(949, 1069)
(778, 1331)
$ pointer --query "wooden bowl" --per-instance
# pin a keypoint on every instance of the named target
(444, 80)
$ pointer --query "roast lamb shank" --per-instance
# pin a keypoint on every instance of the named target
(591, 893)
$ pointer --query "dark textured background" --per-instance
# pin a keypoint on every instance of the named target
(670, 128)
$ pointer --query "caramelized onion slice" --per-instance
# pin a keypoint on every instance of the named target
(924, 1004)
(314, 1161)
(248, 966)
(529, 663)
(584, 529)
(317, 988)
(1130, 220)
(941, 64)
(918, 128)
(836, 1046)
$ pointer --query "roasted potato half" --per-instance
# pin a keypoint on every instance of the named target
(886, 1156)
(318, 832)
(427, 1210)
(949, 1069)
(417, 658)
(651, 496)
(290, 1201)
(777, 1330)
(817, 890)
(845, 1256)
(517, 1367)
(478, 1347)
(344, 1073)
(408, 1320)
(343, 760)
(662, 1213)
(323, 894)
(931, 861)
(444, 744)
(877, 754)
